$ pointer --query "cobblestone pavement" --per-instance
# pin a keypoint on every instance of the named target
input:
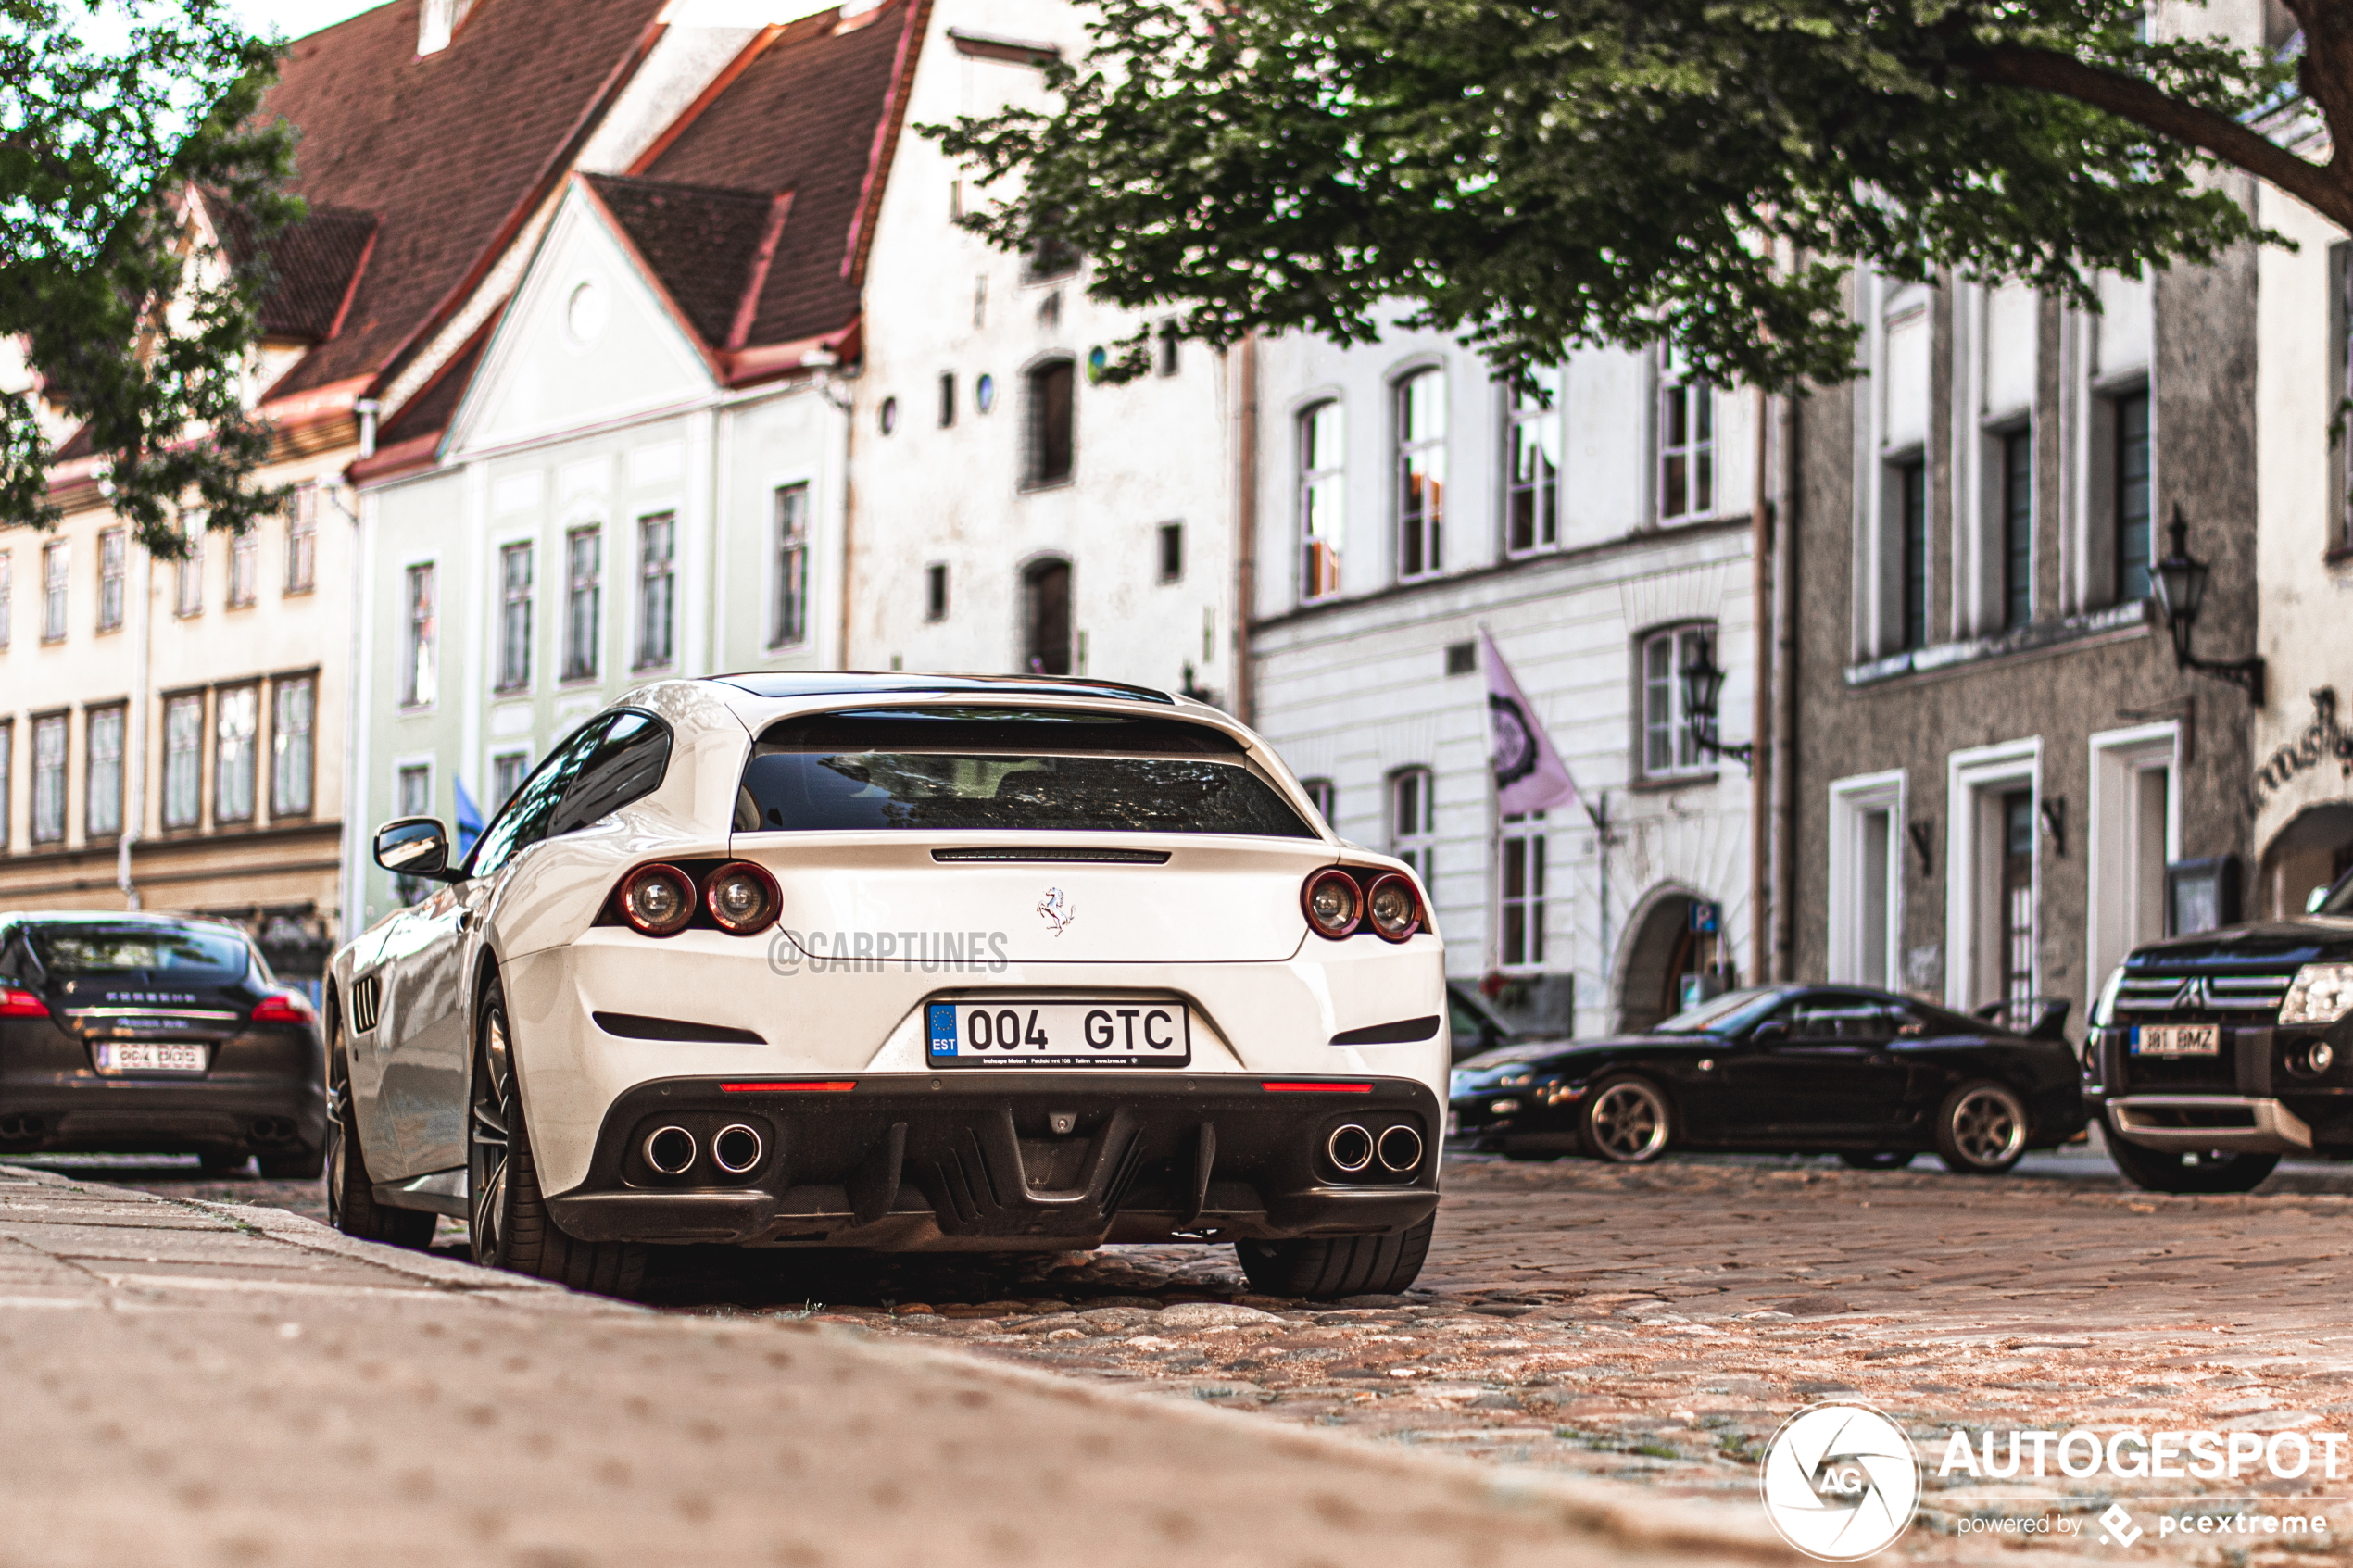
(1655, 1326)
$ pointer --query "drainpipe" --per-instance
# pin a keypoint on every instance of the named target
(1246, 530)
(134, 761)
(1762, 905)
(367, 408)
(1785, 700)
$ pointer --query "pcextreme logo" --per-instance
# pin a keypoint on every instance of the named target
(1840, 1481)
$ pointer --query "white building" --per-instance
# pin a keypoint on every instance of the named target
(1404, 500)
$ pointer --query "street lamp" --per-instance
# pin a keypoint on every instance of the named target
(1702, 683)
(2181, 592)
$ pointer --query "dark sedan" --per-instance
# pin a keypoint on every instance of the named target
(1872, 1077)
(153, 1034)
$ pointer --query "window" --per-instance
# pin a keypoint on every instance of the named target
(245, 568)
(936, 591)
(55, 564)
(1321, 525)
(583, 601)
(947, 399)
(1052, 453)
(2015, 947)
(237, 724)
(1686, 446)
(183, 759)
(788, 618)
(1045, 601)
(419, 675)
(1521, 940)
(187, 598)
(7, 775)
(1170, 336)
(1412, 820)
(1172, 552)
(1668, 746)
(507, 770)
(1051, 256)
(8, 597)
(1421, 475)
(1324, 795)
(1912, 543)
(2018, 527)
(657, 591)
(293, 710)
(49, 779)
(113, 562)
(412, 796)
(2133, 540)
(302, 542)
(609, 761)
(514, 617)
(102, 778)
(1532, 487)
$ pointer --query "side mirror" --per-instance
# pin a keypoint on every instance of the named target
(2314, 900)
(1771, 1032)
(414, 847)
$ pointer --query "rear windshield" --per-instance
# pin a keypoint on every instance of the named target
(209, 956)
(960, 769)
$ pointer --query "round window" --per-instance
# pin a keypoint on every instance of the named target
(889, 415)
(586, 312)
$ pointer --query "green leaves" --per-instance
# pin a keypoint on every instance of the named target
(136, 320)
(1539, 177)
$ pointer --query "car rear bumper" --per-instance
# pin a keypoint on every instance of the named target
(2195, 1124)
(992, 1162)
(87, 1112)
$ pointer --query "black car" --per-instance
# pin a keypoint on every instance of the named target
(2212, 1056)
(153, 1034)
(1870, 1076)
(1477, 1028)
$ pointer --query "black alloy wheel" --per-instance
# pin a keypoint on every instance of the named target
(1981, 1129)
(351, 1193)
(507, 1212)
(1325, 1268)
(1877, 1159)
(2164, 1170)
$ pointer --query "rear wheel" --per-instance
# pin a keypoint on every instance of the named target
(1322, 1268)
(1981, 1129)
(512, 1228)
(351, 1194)
(2160, 1170)
(1625, 1121)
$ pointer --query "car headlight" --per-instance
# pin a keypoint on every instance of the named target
(2104, 1005)
(2320, 992)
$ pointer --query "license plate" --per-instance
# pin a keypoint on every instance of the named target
(2178, 1039)
(1020, 1034)
(149, 1056)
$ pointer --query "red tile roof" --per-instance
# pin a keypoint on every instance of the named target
(709, 247)
(314, 266)
(448, 153)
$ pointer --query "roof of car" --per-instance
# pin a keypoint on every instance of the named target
(110, 917)
(856, 682)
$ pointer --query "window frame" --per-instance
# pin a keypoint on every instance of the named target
(1170, 539)
(1410, 806)
(1521, 412)
(2120, 523)
(302, 543)
(1418, 468)
(1685, 431)
(187, 584)
(936, 591)
(2017, 515)
(281, 805)
(114, 571)
(225, 813)
(583, 605)
(197, 697)
(1685, 760)
(244, 570)
(1038, 422)
(789, 562)
(420, 636)
(657, 592)
(1324, 794)
(62, 719)
(1908, 489)
(1320, 494)
(56, 588)
(1522, 844)
(518, 605)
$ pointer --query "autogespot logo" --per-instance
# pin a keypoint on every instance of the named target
(1839, 1481)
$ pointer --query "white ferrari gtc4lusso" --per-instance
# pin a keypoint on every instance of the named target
(896, 962)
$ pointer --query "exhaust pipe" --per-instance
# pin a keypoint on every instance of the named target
(670, 1150)
(735, 1149)
(14, 1127)
(1400, 1150)
(1350, 1147)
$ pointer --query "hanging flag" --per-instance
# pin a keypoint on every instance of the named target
(1530, 775)
(469, 818)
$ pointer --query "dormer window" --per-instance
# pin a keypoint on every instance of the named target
(437, 23)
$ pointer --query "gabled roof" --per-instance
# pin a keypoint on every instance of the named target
(447, 154)
(315, 266)
(710, 248)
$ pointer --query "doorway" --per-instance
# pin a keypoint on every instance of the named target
(1045, 613)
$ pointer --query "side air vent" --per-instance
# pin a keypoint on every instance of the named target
(1023, 855)
(366, 998)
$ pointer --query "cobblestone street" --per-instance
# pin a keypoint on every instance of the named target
(1655, 1326)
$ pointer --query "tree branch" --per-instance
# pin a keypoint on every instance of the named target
(2015, 65)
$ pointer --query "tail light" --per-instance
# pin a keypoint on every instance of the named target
(286, 1006)
(742, 898)
(657, 900)
(1392, 907)
(1333, 902)
(21, 1004)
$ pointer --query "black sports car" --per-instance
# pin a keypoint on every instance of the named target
(140, 1033)
(1873, 1077)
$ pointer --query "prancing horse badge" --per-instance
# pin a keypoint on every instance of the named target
(1056, 910)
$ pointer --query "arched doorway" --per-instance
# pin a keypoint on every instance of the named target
(2314, 850)
(1665, 955)
(1045, 617)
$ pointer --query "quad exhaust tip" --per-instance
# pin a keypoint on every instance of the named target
(735, 1149)
(670, 1150)
(1350, 1147)
(1400, 1150)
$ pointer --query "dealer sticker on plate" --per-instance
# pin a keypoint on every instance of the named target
(148, 1056)
(1022, 1034)
(2178, 1039)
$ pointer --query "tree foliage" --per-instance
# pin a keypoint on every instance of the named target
(132, 321)
(1541, 176)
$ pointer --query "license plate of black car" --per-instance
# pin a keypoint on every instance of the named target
(2178, 1039)
(1058, 1034)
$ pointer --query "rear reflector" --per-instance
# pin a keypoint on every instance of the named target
(21, 1004)
(803, 1086)
(1317, 1088)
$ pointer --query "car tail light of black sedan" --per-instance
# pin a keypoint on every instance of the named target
(129, 1033)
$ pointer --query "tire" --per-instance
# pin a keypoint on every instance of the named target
(1324, 1268)
(508, 1213)
(1981, 1129)
(351, 1193)
(307, 1164)
(1625, 1121)
(1879, 1159)
(2158, 1169)
(221, 1161)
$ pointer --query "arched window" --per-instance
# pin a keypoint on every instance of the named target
(1412, 820)
(1323, 522)
(1045, 615)
(1421, 475)
(1052, 451)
